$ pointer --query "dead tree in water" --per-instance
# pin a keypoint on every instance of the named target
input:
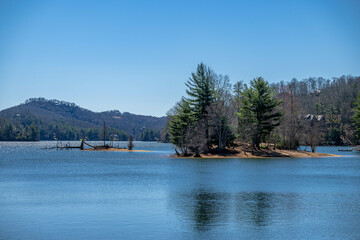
(83, 143)
(130, 143)
(104, 134)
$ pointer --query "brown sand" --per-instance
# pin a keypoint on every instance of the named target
(246, 152)
(239, 152)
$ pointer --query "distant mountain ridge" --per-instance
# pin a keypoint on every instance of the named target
(47, 114)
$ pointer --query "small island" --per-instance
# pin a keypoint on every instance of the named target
(247, 152)
(217, 120)
(100, 148)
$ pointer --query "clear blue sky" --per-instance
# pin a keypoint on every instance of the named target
(135, 56)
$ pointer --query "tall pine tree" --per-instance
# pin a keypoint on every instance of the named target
(201, 94)
(258, 110)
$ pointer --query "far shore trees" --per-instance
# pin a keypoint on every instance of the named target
(290, 132)
(313, 133)
(356, 116)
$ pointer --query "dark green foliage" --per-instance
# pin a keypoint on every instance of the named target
(182, 119)
(258, 110)
(45, 119)
(149, 135)
(53, 131)
(356, 117)
(18, 132)
(201, 95)
(189, 121)
(200, 90)
(333, 137)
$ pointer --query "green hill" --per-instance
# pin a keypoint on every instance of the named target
(42, 119)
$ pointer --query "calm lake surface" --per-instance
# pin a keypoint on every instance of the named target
(49, 194)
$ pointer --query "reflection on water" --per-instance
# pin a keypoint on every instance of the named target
(208, 209)
(254, 208)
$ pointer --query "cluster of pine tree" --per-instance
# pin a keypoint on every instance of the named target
(210, 115)
(214, 115)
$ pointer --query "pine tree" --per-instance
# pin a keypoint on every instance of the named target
(258, 110)
(201, 94)
(35, 133)
(356, 117)
(182, 120)
(201, 89)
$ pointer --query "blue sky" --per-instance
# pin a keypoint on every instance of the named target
(135, 56)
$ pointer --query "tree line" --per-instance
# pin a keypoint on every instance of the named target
(214, 115)
(34, 130)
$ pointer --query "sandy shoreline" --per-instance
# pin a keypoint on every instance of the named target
(240, 152)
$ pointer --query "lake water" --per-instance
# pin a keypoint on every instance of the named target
(49, 194)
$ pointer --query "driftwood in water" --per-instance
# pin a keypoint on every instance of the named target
(60, 146)
(81, 147)
(356, 148)
(105, 146)
(68, 146)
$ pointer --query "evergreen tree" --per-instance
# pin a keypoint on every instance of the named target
(9, 132)
(356, 117)
(201, 89)
(258, 110)
(182, 119)
(35, 134)
(201, 94)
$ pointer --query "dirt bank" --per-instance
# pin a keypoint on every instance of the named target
(247, 152)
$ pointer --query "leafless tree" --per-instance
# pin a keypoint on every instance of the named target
(222, 111)
(313, 131)
(196, 139)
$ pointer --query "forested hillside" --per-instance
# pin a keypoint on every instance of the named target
(42, 119)
(330, 100)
